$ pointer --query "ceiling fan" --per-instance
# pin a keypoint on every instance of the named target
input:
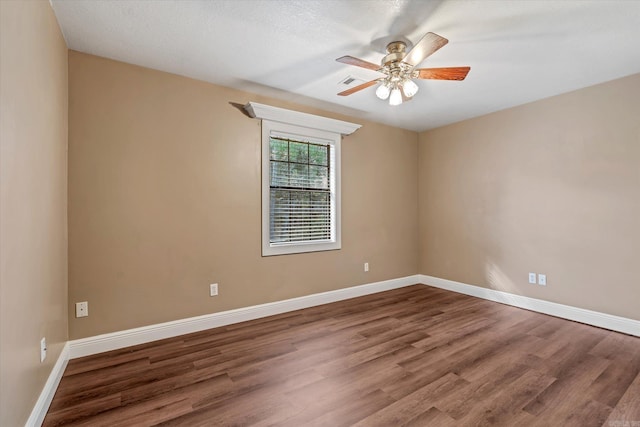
(398, 67)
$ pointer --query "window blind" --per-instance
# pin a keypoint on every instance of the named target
(300, 180)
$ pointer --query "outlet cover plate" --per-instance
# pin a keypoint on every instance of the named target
(213, 289)
(532, 278)
(542, 279)
(82, 309)
(43, 349)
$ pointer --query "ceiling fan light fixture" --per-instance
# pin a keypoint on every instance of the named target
(396, 97)
(399, 69)
(383, 91)
(410, 88)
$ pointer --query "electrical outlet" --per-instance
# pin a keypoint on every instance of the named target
(43, 349)
(532, 278)
(542, 279)
(82, 309)
(213, 289)
(366, 267)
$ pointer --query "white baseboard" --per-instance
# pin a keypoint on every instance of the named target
(115, 340)
(594, 318)
(41, 407)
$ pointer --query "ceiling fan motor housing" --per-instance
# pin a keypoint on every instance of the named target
(396, 51)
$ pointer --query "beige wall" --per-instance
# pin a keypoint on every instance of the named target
(164, 198)
(550, 187)
(33, 204)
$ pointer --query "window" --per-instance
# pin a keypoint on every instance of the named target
(303, 192)
(300, 180)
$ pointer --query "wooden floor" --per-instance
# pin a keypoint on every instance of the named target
(415, 356)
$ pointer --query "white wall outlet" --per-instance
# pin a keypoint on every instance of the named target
(542, 279)
(366, 267)
(532, 278)
(213, 289)
(43, 349)
(82, 309)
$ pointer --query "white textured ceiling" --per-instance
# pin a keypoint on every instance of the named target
(519, 50)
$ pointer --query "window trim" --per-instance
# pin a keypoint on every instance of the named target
(304, 134)
(282, 115)
(303, 124)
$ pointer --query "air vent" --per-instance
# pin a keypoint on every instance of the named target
(350, 81)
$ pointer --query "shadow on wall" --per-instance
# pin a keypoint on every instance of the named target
(508, 292)
(498, 280)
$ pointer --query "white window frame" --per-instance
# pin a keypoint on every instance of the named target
(302, 134)
(306, 128)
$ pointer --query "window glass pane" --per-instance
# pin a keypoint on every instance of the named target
(279, 215)
(318, 155)
(279, 174)
(298, 152)
(299, 175)
(320, 203)
(320, 215)
(279, 150)
(299, 216)
(319, 177)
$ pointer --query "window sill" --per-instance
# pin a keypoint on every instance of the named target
(297, 248)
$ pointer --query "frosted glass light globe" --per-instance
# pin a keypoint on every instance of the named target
(409, 88)
(383, 91)
(396, 97)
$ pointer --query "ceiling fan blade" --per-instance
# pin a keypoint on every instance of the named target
(358, 88)
(350, 60)
(451, 73)
(425, 47)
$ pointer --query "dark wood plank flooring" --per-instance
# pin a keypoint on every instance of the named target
(416, 356)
